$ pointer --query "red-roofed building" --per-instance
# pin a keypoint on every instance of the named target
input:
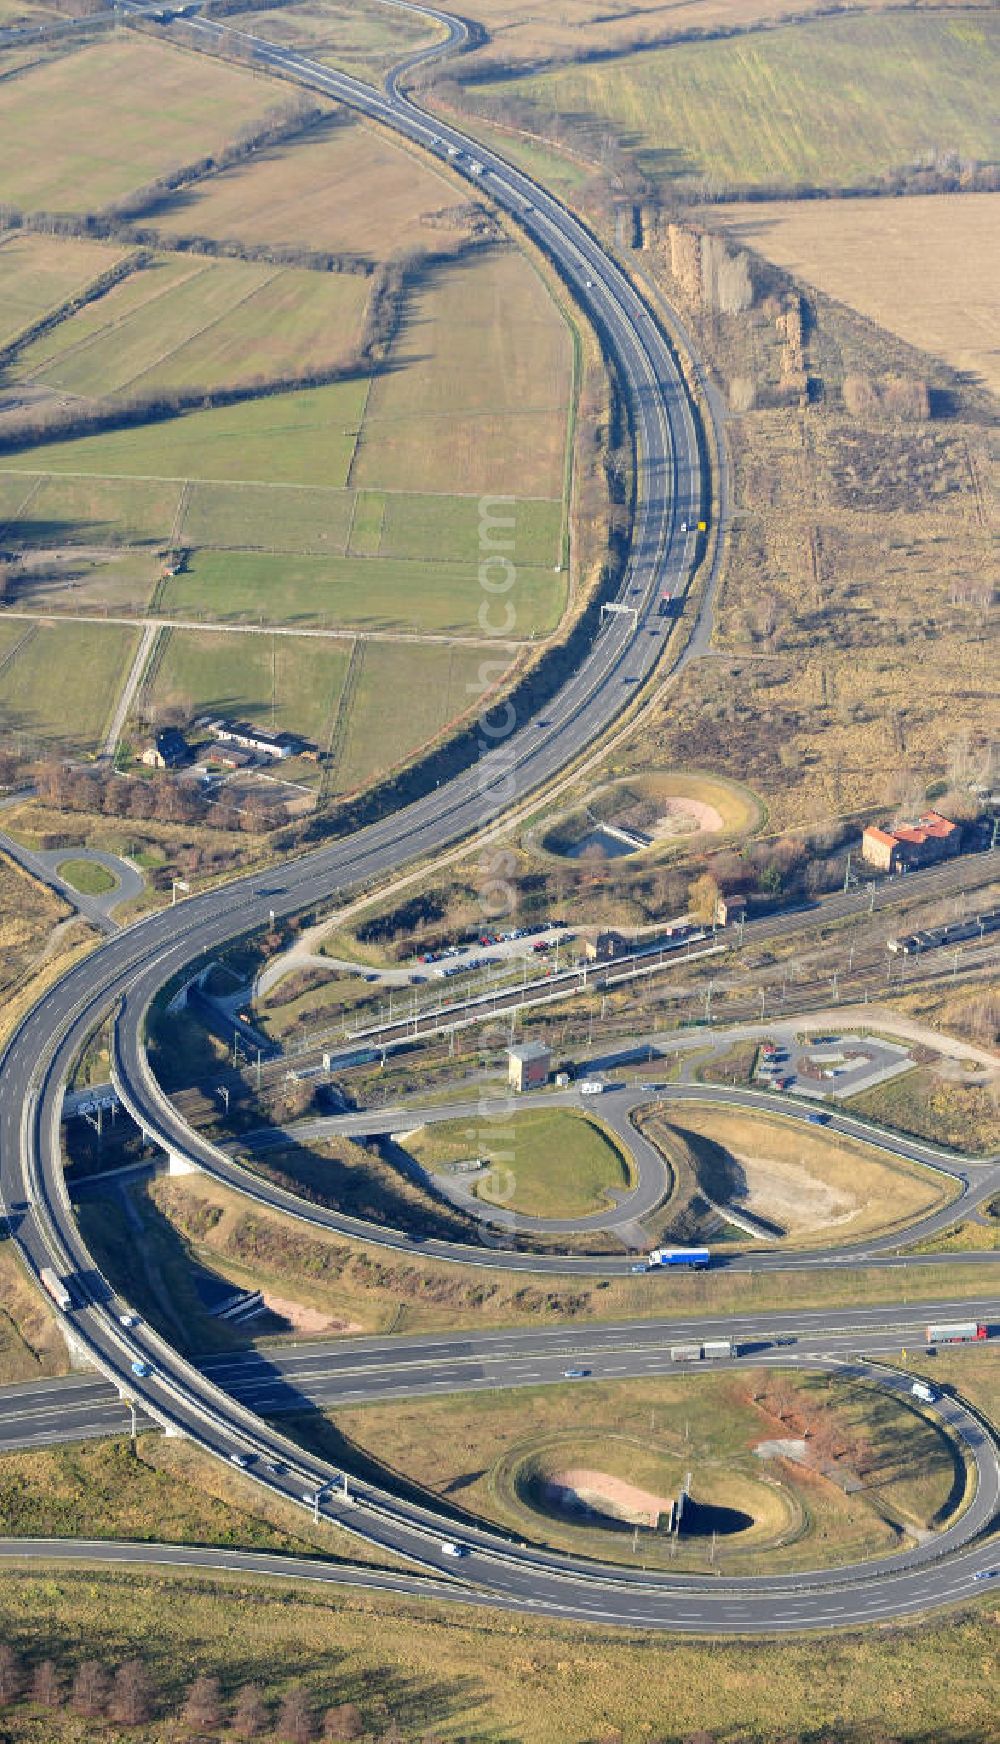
(931, 838)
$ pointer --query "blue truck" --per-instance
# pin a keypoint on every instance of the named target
(663, 1257)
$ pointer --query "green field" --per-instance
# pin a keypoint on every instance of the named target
(61, 685)
(37, 273)
(84, 129)
(89, 510)
(296, 438)
(405, 698)
(190, 322)
(360, 592)
(89, 877)
(478, 395)
(405, 695)
(289, 518)
(295, 519)
(547, 1163)
(837, 102)
(354, 505)
(291, 683)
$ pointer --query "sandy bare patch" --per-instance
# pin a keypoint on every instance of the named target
(307, 1319)
(686, 817)
(785, 1448)
(965, 1072)
(789, 1195)
(603, 1494)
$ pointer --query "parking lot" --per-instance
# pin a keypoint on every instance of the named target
(831, 1067)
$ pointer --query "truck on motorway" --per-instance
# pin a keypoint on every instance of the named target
(956, 1332)
(56, 1288)
(664, 1257)
(718, 1349)
(713, 1350)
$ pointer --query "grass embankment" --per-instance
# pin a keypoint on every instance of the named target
(309, 998)
(74, 940)
(972, 1369)
(28, 912)
(497, 1453)
(929, 1105)
(374, 1290)
(167, 1492)
(545, 1163)
(980, 1234)
(30, 1342)
(363, 1182)
(500, 1679)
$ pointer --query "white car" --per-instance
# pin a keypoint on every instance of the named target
(450, 1548)
(128, 1320)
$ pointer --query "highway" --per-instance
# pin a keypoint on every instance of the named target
(341, 1372)
(127, 970)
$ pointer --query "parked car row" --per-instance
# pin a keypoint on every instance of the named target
(485, 939)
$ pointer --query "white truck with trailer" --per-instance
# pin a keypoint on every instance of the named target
(956, 1332)
(51, 1282)
(713, 1350)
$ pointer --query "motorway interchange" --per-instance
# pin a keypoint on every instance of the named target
(219, 1409)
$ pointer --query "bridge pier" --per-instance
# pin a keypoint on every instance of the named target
(178, 1164)
(79, 1355)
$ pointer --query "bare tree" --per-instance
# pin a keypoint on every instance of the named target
(251, 1716)
(781, 1398)
(296, 1719)
(132, 1695)
(703, 896)
(202, 1711)
(343, 1722)
(90, 1691)
(47, 1685)
(11, 1675)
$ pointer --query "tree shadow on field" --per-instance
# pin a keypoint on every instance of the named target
(330, 1675)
